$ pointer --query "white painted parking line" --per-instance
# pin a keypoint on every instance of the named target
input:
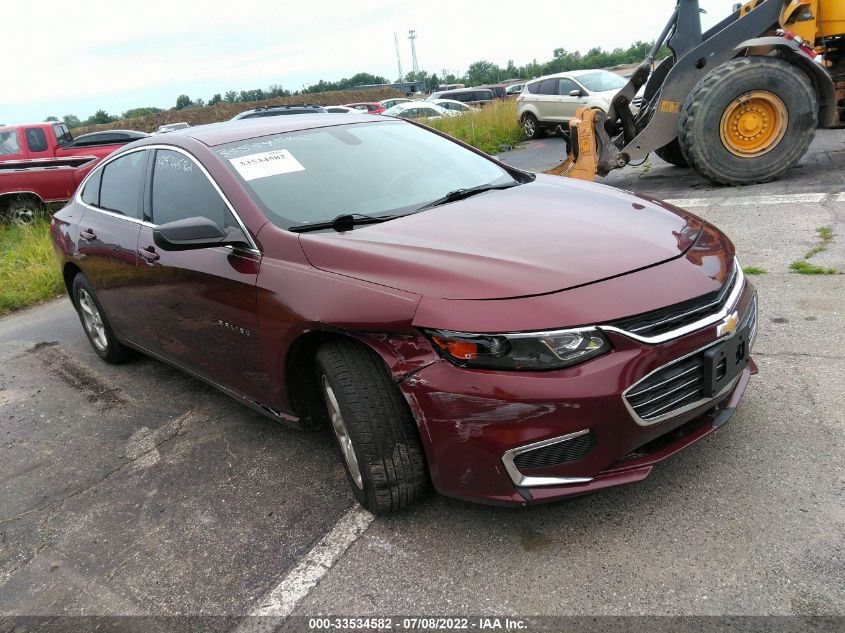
(763, 201)
(841, 197)
(280, 602)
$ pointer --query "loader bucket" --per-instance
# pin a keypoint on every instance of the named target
(591, 151)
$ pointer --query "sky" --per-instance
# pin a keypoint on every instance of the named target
(76, 58)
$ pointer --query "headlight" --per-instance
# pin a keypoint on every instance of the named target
(530, 351)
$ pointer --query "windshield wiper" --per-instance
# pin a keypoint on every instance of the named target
(460, 194)
(344, 222)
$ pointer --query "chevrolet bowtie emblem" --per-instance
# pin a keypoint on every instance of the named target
(728, 325)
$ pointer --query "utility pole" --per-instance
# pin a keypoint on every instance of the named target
(412, 35)
(398, 58)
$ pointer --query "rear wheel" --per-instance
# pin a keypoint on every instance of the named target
(672, 154)
(96, 324)
(531, 126)
(24, 210)
(373, 426)
(748, 121)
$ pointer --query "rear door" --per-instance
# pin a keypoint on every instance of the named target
(108, 239)
(548, 100)
(203, 301)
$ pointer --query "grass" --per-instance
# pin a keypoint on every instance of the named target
(29, 273)
(754, 270)
(487, 129)
(804, 267)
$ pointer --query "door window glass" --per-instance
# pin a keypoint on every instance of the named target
(181, 190)
(567, 86)
(533, 88)
(122, 183)
(9, 143)
(549, 86)
(36, 140)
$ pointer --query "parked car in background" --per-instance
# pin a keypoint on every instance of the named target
(473, 96)
(42, 164)
(280, 110)
(499, 90)
(107, 137)
(550, 101)
(507, 337)
(418, 110)
(389, 103)
(171, 127)
(454, 106)
(373, 107)
(341, 110)
(514, 89)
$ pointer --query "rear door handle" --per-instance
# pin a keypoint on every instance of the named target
(148, 254)
(87, 235)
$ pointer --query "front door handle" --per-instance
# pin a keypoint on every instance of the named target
(148, 254)
(88, 235)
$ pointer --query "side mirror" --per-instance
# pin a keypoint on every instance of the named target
(192, 233)
(575, 93)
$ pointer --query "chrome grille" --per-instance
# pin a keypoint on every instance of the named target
(676, 316)
(678, 386)
(556, 454)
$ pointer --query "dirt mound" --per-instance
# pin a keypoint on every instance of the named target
(225, 111)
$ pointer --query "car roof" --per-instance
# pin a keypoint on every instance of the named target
(375, 103)
(439, 101)
(232, 131)
(476, 89)
(416, 104)
(572, 74)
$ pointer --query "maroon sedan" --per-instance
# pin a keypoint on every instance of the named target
(509, 338)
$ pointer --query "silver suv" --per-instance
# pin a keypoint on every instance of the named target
(550, 101)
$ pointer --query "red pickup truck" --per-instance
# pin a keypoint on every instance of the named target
(42, 164)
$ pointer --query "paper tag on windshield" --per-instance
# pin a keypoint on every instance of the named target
(266, 164)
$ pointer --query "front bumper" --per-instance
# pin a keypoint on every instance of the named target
(471, 421)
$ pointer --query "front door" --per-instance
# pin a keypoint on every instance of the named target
(202, 301)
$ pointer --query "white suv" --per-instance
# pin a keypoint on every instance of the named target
(550, 101)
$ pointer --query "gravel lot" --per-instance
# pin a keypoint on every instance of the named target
(137, 490)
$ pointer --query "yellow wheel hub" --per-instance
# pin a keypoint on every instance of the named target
(753, 124)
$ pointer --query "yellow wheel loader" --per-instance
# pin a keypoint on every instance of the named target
(739, 103)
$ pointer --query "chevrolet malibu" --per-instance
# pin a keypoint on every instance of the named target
(500, 336)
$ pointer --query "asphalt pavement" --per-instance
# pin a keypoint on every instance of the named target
(137, 490)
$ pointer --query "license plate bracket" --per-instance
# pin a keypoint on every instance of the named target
(724, 362)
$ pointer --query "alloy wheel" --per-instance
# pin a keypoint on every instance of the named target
(342, 434)
(92, 321)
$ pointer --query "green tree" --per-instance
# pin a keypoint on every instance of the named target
(100, 116)
(182, 101)
(71, 120)
(51, 118)
(231, 96)
(215, 99)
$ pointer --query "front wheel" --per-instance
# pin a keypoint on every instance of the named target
(96, 324)
(373, 427)
(748, 121)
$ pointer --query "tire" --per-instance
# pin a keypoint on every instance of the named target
(701, 134)
(24, 210)
(373, 426)
(531, 126)
(672, 154)
(96, 324)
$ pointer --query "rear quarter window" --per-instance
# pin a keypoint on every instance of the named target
(533, 88)
(91, 192)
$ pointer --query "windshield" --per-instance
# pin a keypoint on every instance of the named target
(602, 81)
(381, 168)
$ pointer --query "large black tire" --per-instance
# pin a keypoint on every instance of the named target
(376, 423)
(672, 154)
(701, 120)
(531, 126)
(96, 324)
(23, 210)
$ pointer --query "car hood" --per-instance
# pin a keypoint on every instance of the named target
(545, 236)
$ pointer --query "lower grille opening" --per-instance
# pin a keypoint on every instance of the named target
(556, 454)
(659, 443)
